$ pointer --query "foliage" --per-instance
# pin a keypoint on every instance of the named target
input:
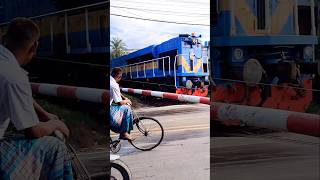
(118, 47)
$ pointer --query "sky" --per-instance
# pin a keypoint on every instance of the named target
(137, 33)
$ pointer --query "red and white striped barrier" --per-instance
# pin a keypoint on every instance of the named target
(166, 95)
(302, 123)
(72, 92)
(296, 122)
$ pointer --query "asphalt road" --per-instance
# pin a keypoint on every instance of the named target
(276, 156)
(184, 151)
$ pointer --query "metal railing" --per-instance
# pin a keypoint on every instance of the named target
(144, 63)
(157, 60)
(66, 14)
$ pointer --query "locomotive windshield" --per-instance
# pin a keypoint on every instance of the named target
(191, 39)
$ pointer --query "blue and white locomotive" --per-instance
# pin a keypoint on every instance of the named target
(259, 42)
(179, 64)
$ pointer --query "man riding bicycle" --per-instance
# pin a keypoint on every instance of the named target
(33, 154)
(121, 118)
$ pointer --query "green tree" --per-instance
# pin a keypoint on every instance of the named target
(118, 47)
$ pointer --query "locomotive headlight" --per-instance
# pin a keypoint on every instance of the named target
(189, 84)
(308, 52)
(206, 78)
(238, 54)
(184, 79)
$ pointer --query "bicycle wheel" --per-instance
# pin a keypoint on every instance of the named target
(148, 133)
(79, 170)
(119, 171)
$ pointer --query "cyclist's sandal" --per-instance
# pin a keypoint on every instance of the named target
(125, 138)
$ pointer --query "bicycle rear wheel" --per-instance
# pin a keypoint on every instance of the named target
(79, 170)
(148, 133)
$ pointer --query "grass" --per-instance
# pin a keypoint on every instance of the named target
(136, 102)
(86, 130)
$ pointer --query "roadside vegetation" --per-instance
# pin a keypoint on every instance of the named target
(87, 127)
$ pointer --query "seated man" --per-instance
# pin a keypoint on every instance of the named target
(121, 118)
(34, 154)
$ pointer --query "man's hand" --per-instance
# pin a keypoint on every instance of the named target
(128, 102)
(47, 128)
(125, 102)
(61, 126)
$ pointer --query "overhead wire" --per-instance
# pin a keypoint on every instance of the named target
(163, 2)
(161, 21)
(164, 5)
(162, 11)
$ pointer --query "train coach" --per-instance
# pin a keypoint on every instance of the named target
(179, 65)
(73, 44)
(263, 52)
(72, 32)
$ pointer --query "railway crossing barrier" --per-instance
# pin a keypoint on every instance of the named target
(302, 123)
(72, 92)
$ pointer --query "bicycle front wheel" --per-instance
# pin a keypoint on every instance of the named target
(120, 171)
(148, 133)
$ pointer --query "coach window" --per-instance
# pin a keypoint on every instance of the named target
(2, 16)
(103, 26)
(316, 17)
(304, 19)
(261, 14)
(214, 13)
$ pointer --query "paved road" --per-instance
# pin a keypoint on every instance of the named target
(276, 156)
(184, 152)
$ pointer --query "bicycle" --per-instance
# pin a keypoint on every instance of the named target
(79, 170)
(148, 134)
(119, 170)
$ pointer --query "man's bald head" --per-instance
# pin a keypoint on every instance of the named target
(22, 37)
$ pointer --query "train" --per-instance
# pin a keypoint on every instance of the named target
(73, 45)
(263, 53)
(179, 65)
(74, 32)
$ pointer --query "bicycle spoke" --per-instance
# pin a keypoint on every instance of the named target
(148, 134)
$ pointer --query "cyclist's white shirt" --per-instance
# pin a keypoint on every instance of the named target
(16, 102)
(115, 94)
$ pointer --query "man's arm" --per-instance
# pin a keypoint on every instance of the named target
(125, 102)
(118, 97)
(47, 128)
(50, 123)
(23, 115)
(123, 97)
(42, 113)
